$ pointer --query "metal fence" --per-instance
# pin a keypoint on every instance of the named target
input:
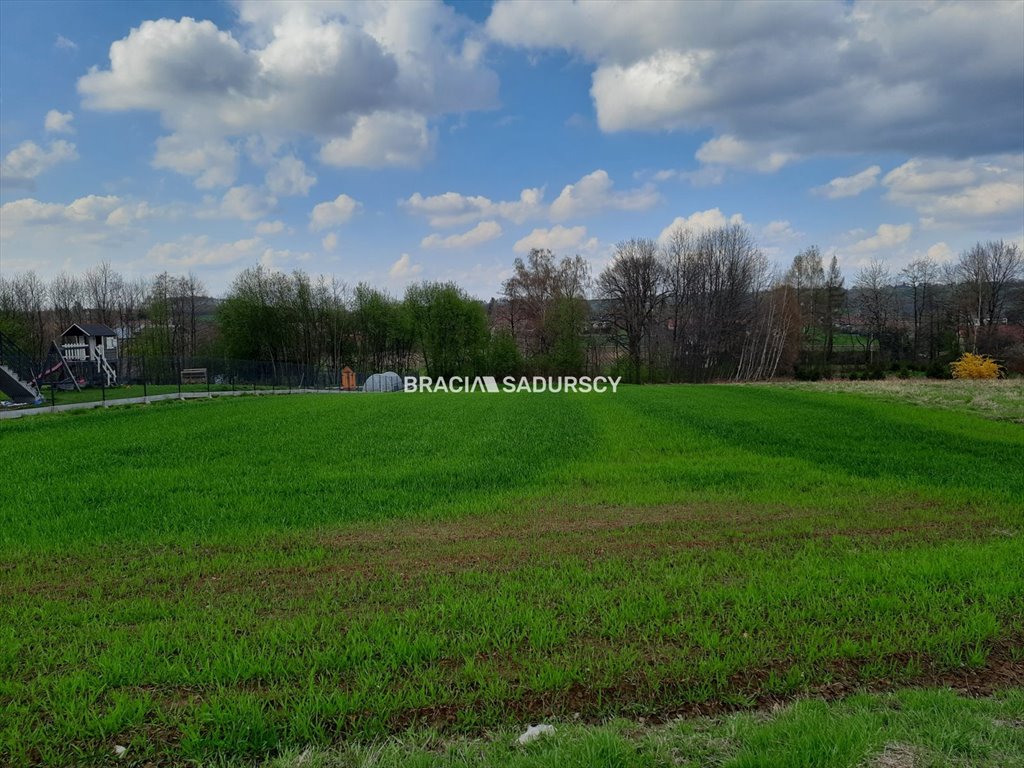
(236, 373)
(79, 381)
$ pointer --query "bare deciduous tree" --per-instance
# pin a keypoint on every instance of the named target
(635, 284)
(66, 296)
(920, 276)
(102, 284)
(717, 284)
(835, 296)
(30, 297)
(987, 274)
(875, 301)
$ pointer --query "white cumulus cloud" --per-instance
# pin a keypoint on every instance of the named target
(92, 218)
(887, 236)
(333, 213)
(245, 202)
(58, 122)
(699, 221)
(382, 139)
(452, 208)
(28, 160)
(793, 78)
(191, 251)
(952, 191)
(288, 177)
(730, 152)
(557, 239)
(483, 232)
(594, 193)
(404, 268)
(270, 228)
(941, 253)
(850, 186)
(360, 79)
(214, 163)
(778, 232)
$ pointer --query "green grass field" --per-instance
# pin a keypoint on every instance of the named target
(846, 342)
(95, 394)
(1001, 399)
(411, 579)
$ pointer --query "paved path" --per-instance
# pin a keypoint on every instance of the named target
(17, 413)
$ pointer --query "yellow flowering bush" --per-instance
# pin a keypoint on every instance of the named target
(972, 366)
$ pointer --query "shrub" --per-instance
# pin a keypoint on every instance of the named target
(807, 373)
(1013, 359)
(972, 366)
(939, 368)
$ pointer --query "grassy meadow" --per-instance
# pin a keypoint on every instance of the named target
(122, 391)
(412, 579)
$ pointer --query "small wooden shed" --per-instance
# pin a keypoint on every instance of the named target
(348, 379)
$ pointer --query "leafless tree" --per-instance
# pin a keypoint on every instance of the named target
(192, 290)
(920, 276)
(835, 297)
(773, 340)
(131, 298)
(678, 251)
(635, 284)
(102, 284)
(987, 275)
(876, 301)
(66, 295)
(718, 282)
(807, 278)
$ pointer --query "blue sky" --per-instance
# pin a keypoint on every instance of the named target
(407, 141)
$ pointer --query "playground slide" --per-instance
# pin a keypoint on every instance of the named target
(44, 374)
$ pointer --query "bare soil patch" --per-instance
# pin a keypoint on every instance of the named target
(411, 549)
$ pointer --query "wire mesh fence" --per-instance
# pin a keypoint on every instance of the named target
(144, 377)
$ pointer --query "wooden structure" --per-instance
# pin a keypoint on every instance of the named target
(348, 379)
(91, 349)
(56, 371)
(193, 376)
(17, 372)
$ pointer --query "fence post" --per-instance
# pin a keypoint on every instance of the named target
(103, 386)
(53, 395)
(179, 384)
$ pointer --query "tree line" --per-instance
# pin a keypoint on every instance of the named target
(704, 306)
(921, 317)
(163, 315)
